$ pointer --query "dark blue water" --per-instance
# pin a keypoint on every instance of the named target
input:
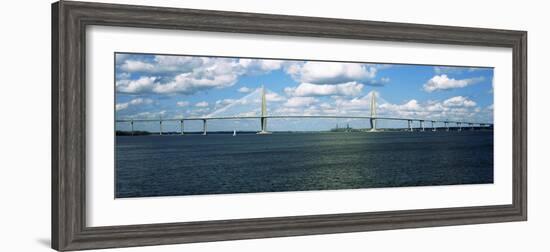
(216, 164)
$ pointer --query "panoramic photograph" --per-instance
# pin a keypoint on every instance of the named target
(200, 125)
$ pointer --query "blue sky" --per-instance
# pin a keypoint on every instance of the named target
(152, 86)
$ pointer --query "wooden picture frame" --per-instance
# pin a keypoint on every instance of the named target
(69, 20)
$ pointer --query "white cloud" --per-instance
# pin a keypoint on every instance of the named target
(182, 103)
(405, 109)
(325, 105)
(411, 105)
(260, 65)
(134, 102)
(308, 89)
(185, 75)
(189, 83)
(143, 84)
(356, 104)
(147, 115)
(121, 57)
(330, 72)
(121, 106)
(295, 102)
(188, 75)
(122, 76)
(443, 82)
(161, 64)
(201, 104)
(458, 108)
(199, 111)
(166, 64)
(245, 90)
(139, 101)
(224, 102)
(137, 66)
(459, 101)
(211, 74)
(436, 107)
(273, 97)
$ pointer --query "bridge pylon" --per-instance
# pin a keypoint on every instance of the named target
(160, 126)
(373, 112)
(263, 118)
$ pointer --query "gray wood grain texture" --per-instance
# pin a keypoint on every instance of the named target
(69, 20)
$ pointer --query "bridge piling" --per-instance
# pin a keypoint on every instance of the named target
(409, 122)
(204, 127)
(263, 125)
(160, 125)
(433, 127)
(373, 112)
(263, 117)
(372, 124)
(132, 127)
(181, 127)
(422, 125)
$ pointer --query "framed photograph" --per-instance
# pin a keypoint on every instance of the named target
(178, 125)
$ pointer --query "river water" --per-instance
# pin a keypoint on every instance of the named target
(222, 163)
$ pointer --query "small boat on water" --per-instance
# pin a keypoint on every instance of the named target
(234, 132)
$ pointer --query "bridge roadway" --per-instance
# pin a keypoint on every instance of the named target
(263, 120)
(302, 116)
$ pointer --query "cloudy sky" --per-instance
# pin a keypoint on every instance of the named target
(154, 86)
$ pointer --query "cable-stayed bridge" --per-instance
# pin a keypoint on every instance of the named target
(264, 116)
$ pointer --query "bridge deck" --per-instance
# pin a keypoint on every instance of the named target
(298, 116)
